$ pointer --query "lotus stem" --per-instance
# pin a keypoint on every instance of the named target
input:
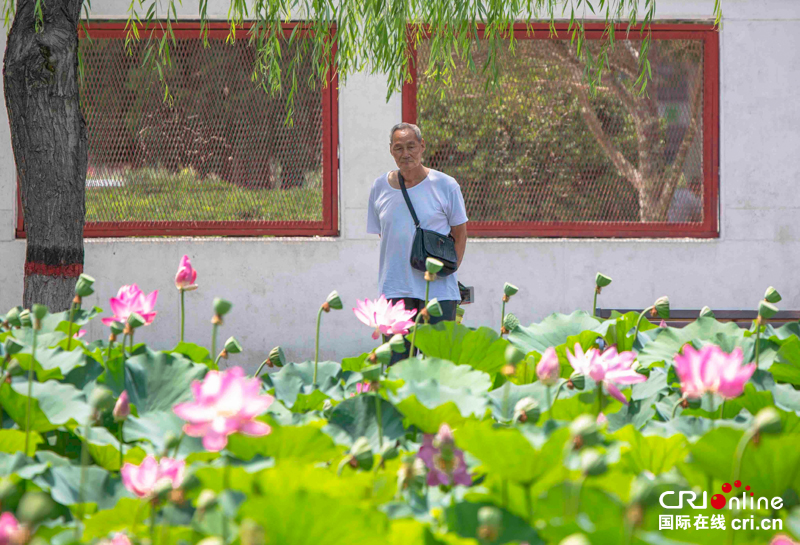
(758, 338)
(639, 321)
(153, 521)
(677, 404)
(529, 503)
(131, 342)
(214, 328)
(599, 398)
(502, 316)
(558, 392)
(549, 403)
(30, 393)
(594, 304)
(740, 448)
(260, 367)
(427, 291)
(380, 420)
(226, 478)
(316, 346)
(414, 336)
(178, 444)
(121, 454)
(182, 314)
(69, 329)
(84, 466)
(711, 408)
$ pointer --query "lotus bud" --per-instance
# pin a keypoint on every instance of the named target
(12, 317)
(434, 308)
(83, 287)
(206, 500)
(526, 410)
(135, 320)
(251, 533)
(509, 290)
(490, 523)
(332, 302)
(382, 355)
(513, 354)
(232, 346)
(221, 306)
(601, 281)
(122, 409)
(14, 369)
(661, 307)
(593, 463)
(13, 346)
(25, 318)
(389, 451)
(398, 343)
(459, 314)
(576, 381)
(7, 488)
(276, 357)
(433, 266)
(575, 539)
(766, 310)
(510, 322)
(34, 507)
(772, 295)
(706, 312)
(767, 421)
(101, 399)
(548, 370)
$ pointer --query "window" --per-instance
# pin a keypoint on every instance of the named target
(538, 156)
(219, 160)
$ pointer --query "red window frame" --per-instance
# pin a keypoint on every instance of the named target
(709, 228)
(329, 226)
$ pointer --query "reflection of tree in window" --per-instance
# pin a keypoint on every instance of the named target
(538, 147)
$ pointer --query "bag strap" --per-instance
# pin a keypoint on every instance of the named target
(408, 200)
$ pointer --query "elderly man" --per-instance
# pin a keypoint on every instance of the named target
(439, 205)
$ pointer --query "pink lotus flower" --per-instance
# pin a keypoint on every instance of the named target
(783, 540)
(609, 368)
(118, 539)
(711, 369)
(122, 409)
(225, 402)
(131, 299)
(184, 279)
(548, 369)
(8, 528)
(384, 317)
(79, 334)
(444, 461)
(601, 419)
(364, 387)
(143, 479)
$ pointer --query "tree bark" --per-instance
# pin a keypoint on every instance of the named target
(50, 143)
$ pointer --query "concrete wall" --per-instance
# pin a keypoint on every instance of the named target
(277, 285)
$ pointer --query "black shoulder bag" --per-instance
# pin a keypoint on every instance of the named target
(429, 243)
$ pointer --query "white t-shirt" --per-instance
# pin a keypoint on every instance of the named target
(439, 205)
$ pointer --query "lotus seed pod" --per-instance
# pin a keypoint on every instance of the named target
(117, 327)
(373, 372)
(662, 307)
(25, 318)
(706, 311)
(232, 346)
(398, 343)
(772, 295)
(433, 266)
(593, 463)
(767, 310)
(334, 301)
(206, 500)
(601, 280)
(768, 421)
(361, 451)
(12, 317)
(13, 346)
(578, 381)
(513, 354)
(221, 306)
(276, 357)
(39, 311)
(101, 399)
(526, 410)
(434, 308)
(509, 289)
(83, 287)
(510, 322)
(135, 320)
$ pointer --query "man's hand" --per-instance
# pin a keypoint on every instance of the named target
(459, 233)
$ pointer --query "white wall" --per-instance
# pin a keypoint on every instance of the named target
(277, 285)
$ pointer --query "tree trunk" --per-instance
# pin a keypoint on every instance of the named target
(50, 143)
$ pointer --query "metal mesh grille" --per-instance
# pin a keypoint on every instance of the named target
(539, 148)
(221, 152)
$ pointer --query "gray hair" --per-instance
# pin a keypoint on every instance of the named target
(403, 126)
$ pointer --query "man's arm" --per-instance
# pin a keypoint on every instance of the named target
(459, 233)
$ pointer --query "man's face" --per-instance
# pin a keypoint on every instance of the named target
(406, 149)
